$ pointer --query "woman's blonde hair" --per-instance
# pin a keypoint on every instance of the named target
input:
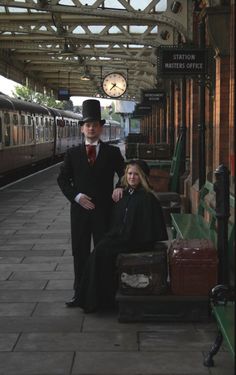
(142, 176)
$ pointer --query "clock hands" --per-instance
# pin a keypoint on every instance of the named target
(115, 85)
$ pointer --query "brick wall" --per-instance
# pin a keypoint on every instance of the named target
(221, 112)
(232, 93)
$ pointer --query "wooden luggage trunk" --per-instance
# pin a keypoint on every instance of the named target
(162, 151)
(146, 151)
(193, 267)
(159, 179)
(143, 273)
(136, 138)
(131, 151)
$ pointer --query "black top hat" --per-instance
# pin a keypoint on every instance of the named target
(91, 111)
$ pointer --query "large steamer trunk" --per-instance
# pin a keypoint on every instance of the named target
(193, 267)
(143, 273)
(146, 151)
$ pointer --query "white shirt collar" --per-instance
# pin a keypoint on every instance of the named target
(92, 144)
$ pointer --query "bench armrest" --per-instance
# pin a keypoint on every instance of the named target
(221, 294)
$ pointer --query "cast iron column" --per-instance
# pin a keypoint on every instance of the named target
(183, 125)
(164, 106)
(221, 187)
(172, 117)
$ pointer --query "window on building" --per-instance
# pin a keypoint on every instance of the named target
(15, 119)
(6, 118)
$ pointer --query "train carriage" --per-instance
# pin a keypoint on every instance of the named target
(67, 130)
(27, 133)
(31, 133)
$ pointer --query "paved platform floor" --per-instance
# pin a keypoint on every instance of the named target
(40, 336)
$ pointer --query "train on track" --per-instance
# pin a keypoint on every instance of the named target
(31, 133)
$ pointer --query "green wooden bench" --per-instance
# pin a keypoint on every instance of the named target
(223, 308)
(189, 226)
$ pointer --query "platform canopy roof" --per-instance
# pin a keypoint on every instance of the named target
(51, 44)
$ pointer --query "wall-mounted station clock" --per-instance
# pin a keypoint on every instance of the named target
(114, 85)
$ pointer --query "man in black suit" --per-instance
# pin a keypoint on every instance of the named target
(86, 179)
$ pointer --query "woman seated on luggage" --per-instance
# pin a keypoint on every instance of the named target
(137, 223)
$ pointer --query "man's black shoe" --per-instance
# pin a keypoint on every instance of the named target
(74, 302)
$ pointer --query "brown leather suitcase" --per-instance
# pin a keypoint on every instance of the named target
(159, 179)
(143, 273)
(193, 267)
(162, 151)
(146, 151)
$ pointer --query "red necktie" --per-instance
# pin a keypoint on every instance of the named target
(91, 152)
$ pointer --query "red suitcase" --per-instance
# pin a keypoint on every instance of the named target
(193, 267)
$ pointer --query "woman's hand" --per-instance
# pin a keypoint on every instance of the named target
(117, 194)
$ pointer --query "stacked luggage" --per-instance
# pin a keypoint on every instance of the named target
(169, 283)
(158, 151)
(136, 138)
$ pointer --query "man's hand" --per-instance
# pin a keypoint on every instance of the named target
(117, 194)
(85, 202)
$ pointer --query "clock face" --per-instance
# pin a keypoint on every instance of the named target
(114, 85)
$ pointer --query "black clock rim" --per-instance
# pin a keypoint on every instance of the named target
(109, 74)
(114, 97)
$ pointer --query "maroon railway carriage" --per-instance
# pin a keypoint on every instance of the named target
(31, 133)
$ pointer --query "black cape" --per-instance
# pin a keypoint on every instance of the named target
(137, 223)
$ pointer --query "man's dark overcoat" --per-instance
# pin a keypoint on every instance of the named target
(97, 181)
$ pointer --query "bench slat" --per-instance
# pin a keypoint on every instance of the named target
(225, 319)
(189, 226)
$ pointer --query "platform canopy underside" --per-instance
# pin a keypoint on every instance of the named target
(51, 44)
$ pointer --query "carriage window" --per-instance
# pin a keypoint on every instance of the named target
(6, 118)
(42, 123)
(7, 136)
(39, 134)
(36, 120)
(29, 134)
(51, 130)
(14, 135)
(22, 120)
(29, 120)
(20, 135)
(15, 119)
(0, 130)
